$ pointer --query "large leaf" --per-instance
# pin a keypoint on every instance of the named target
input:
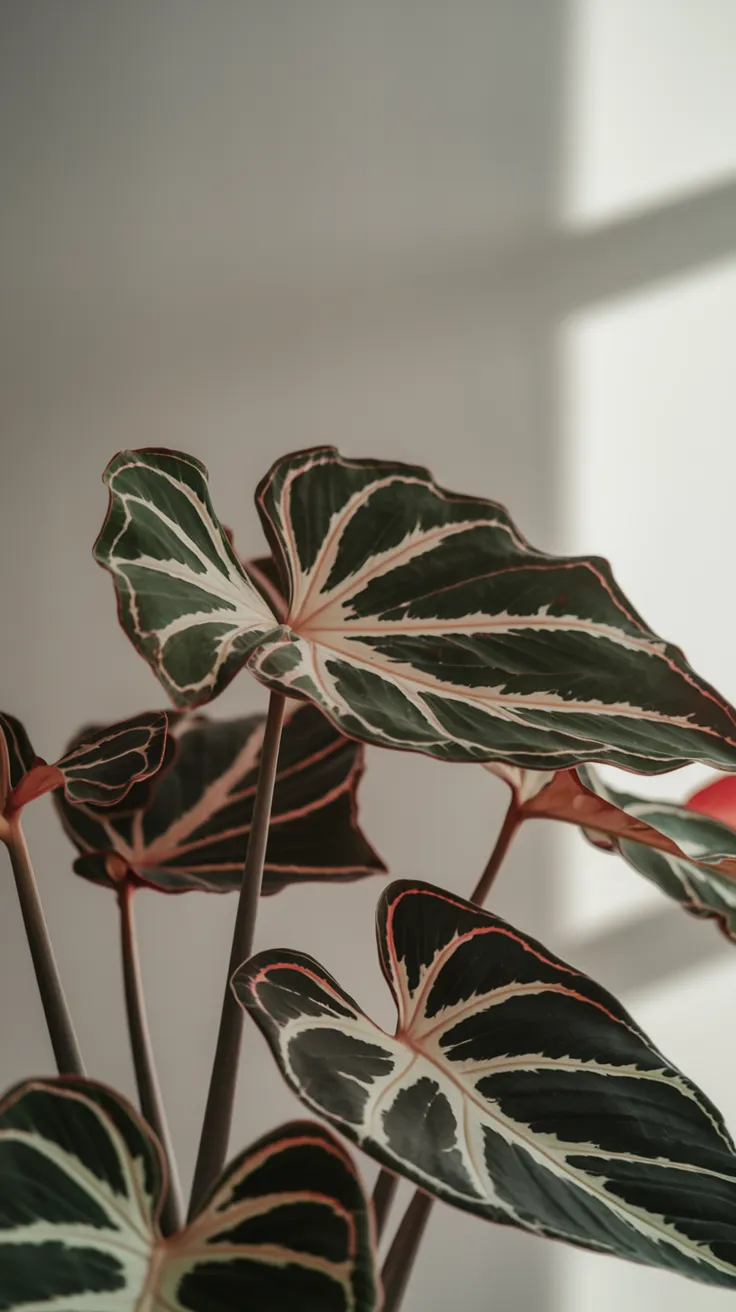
(417, 618)
(81, 1182)
(515, 1087)
(101, 767)
(697, 865)
(190, 832)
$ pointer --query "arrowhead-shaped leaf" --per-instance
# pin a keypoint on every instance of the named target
(515, 1087)
(101, 767)
(81, 1182)
(416, 618)
(697, 864)
(190, 831)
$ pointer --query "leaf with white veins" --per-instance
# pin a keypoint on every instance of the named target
(416, 618)
(190, 831)
(515, 1087)
(81, 1184)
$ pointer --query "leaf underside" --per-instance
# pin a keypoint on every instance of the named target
(700, 873)
(191, 830)
(691, 857)
(417, 618)
(81, 1181)
(515, 1087)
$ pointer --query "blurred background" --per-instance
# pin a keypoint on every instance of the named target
(494, 236)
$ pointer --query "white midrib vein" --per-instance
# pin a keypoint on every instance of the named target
(513, 1132)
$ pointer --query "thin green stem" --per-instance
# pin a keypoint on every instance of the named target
(400, 1259)
(382, 1201)
(512, 821)
(59, 1022)
(149, 1092)
(215, 1136)
(403, 1252)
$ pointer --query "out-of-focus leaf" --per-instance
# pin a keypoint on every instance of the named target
(191, 829)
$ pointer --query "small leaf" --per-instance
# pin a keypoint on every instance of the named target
(101, 767)
(81, 1183)
(515, 1087)
(417, 618)
(190, 832)
(183, 598)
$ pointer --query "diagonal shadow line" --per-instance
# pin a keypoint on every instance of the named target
(663, 242)
(649, 950)
(298, 316)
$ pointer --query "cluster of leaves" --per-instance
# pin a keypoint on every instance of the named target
(395, 613)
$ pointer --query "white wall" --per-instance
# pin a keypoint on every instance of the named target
(648, 416)
(242, 228)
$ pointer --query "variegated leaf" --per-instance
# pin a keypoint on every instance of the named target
(81, 1181)
(183, 598)
(697, 868)
(417, 618)
(190, 832)
(100, 768)
(515, 1087)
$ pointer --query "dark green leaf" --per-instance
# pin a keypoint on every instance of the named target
(417, 618)
(191, 830)
(81, 1182)
(515, 1087)
(183, 597)
(101, 767)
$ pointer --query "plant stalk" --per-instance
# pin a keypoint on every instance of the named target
(512, 821)
(149, 1093)
(58, 1020)
(403, 1251)
(400, 1259)
(215, 1136)
(383, 1197)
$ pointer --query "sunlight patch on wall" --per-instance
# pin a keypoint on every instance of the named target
(651, 104)
(649, 416)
